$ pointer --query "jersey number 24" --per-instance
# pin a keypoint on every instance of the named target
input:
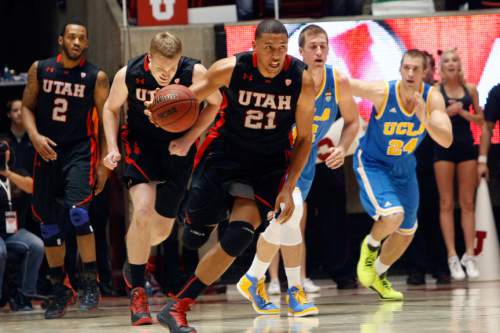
(397, 147)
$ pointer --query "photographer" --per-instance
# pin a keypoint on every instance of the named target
(24, 153)
(13, 237)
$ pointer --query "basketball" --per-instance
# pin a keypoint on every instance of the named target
(174, 108)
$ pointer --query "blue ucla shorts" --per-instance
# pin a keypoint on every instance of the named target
(386, 189)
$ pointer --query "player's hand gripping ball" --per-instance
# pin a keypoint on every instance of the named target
(174, 108)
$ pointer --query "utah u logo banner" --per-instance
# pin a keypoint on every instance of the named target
(165, 13)
(162, 12)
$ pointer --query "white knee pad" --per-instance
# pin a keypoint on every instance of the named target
(290, 236)
(290, 231)
(272, 234)
(294, 221)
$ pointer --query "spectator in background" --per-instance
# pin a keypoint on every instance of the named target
(460, 158)
(245, 9)
(430, 71)
(13, 237)
(491, 115)
(427, 250)
(131, 10)
(345, 7)
(455, 4)
(24, 153)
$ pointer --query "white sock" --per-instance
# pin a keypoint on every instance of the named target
(258, 268)
(372, 241)
(380, 267)
(293, 276)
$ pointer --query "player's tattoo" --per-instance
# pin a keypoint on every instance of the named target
(30, 94)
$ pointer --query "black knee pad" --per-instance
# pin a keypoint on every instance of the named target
(194, 236)
(168, 199)
(237, 237)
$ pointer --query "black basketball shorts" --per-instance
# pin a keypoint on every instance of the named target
(66, 182)
(221, 176)
(152, 162)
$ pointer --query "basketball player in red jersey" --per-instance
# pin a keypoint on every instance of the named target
(245, 158)
(158, 164)
(59, 105)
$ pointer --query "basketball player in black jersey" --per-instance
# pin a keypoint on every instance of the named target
(60, 102)
(157, 163)
(244, 161)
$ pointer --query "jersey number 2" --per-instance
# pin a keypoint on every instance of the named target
(255, 119)
(60, 109)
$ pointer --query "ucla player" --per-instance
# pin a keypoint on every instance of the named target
(384, 165)
(333, 92)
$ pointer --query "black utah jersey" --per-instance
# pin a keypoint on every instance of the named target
(259, 112)
(65, 100)
(142, 86)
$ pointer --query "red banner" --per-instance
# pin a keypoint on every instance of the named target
(162, 12)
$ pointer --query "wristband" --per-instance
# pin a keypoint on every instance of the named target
(482, 159)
